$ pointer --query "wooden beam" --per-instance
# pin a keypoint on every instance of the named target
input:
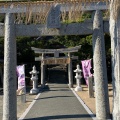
(53, 61)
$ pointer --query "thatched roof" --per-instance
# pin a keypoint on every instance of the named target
(50, 1)
(41, 9)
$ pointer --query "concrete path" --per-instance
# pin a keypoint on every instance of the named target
(57, 102)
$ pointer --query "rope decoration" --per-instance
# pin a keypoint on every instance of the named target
(42, 8)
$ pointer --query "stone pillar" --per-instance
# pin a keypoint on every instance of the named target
(100, 72)
(9, 99)
(115, 53)
(70, 72)
(42, 72)
(90, 87)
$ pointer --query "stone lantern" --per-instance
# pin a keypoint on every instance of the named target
(78, 78)
(34, 78)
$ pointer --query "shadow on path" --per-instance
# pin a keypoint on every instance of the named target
(53, 97)
(61, 117)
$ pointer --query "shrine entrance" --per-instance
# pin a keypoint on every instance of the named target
(56, 60)
(52, 18)
(57, 74)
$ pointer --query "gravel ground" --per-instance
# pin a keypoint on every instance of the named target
(90, 102)
(21, 107)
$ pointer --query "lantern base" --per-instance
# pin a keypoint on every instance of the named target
(34, 91)
(78, 88)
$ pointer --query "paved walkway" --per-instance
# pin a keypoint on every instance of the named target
(57, 102)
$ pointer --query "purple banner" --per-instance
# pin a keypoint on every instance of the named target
(86, 66)
(21, 76)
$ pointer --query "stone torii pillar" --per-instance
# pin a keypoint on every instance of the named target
(9, 98)
(115, 53)
(42, 72)
(70, 72)
(100, 72)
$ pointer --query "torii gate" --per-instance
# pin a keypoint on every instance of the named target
(17, 27)
(56, 60)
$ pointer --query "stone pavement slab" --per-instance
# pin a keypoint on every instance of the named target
(57, 102)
